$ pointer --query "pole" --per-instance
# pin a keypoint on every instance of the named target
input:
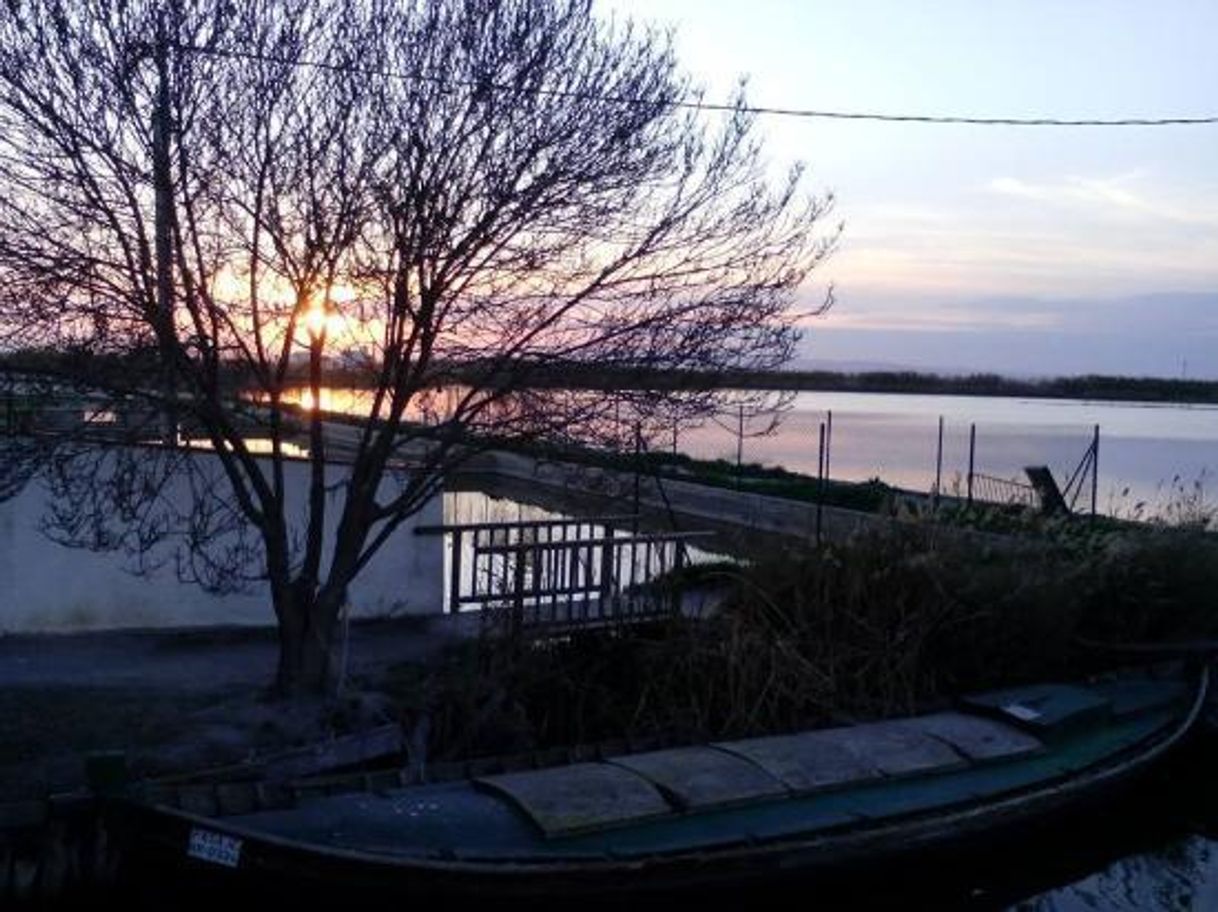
(1095, 466)
(828, 439)
(972, 459)
(939, 463)
(454, 582)
(638, 467)
(162, 179)
(739, 444)
(820, 484)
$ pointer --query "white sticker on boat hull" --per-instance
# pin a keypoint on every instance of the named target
(216, 848)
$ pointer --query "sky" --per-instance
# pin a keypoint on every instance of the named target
(1022, 250)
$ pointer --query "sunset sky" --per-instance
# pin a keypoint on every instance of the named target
(1032, 250)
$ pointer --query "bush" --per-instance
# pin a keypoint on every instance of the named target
(883, 625)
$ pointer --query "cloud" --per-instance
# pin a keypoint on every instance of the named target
(921, 319)
(1106, 196)
(1155, 335)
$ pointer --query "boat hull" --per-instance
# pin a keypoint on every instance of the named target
(966, 835)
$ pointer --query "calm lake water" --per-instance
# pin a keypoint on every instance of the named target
(1150, 453)
(1162, 851)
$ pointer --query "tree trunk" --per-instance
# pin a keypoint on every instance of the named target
(306, 631)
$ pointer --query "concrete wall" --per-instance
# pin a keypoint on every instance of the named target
(45, 587)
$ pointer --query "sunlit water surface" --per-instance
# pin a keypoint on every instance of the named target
(1154, 458)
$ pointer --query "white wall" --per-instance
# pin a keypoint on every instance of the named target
(45, 587)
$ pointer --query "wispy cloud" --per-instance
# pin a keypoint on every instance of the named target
(1111, 195)
(939, 316)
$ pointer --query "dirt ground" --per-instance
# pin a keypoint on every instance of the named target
(176, 700)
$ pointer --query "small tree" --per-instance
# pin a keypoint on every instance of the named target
(437, 201)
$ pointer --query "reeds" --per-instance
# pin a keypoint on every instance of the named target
(885, 624)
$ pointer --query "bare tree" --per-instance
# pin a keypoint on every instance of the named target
(213, 204)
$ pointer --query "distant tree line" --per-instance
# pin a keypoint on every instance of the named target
(1088, 386)
(583, 376)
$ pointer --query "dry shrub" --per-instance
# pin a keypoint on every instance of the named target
(882, 625)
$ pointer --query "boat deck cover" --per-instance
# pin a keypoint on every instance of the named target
(1045, 709)
(814, 783)
(806, 762)
(699, 778)
(584, 796)
(978, 739)
(897, 750)
(1134, 696)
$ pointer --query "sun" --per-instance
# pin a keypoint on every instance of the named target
(321, 322)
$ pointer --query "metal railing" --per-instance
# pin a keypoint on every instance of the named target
(562, 571)
(1006, 491)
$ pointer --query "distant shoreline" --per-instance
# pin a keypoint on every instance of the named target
(1093, 387)
(1096, 387)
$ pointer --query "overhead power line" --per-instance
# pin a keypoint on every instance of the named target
(709, 106)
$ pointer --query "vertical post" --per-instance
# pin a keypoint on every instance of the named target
(518, 567)
(454, 584)
(1095, 466)
(678, 565)
(828, 440)
(162, 179)
(739, 444)
(972, 457)
(938, 465)
(638, 468)
(675, 426)
(820, 484)
(607, 559)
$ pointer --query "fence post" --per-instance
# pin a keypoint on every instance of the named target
(678, 565)
(1095, 466)
(739, 444)
(518, 589)
(828, 440)
(638, 468)
(675, 426)
(820, 484)
(938, 466)
(454, 584)
(972, 458)
(607, 559)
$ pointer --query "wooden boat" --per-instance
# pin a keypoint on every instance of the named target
(706, 816)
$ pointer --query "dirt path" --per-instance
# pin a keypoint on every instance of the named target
(194, 660)
(175, 699)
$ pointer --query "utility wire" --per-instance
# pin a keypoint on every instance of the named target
(807, 113)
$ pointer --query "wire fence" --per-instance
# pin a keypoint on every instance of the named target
(936, 459)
